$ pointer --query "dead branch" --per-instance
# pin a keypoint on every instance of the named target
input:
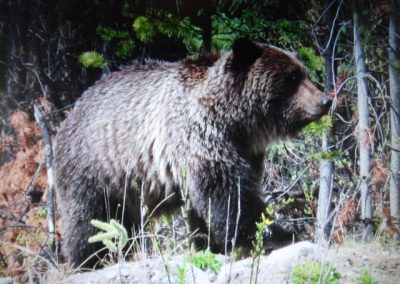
(48, 150)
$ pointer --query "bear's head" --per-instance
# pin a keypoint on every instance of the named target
(283, 100)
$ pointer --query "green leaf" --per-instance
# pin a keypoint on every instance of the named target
(313, 62)
(314, 272)
(205, 260)
(125, 48)
(113, 232)
(92, 59)
(366, 277)
(99, 237)
(110, 245)
(102, 225)
(121, 233)
(145, 29)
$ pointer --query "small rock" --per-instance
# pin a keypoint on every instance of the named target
(348, 262)
(110, 275)
(212, 276)
(124, 271)
(156, 277)
(195, 275)
(6, 280)
(272, 268)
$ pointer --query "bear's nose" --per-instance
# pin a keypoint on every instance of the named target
(326, 101)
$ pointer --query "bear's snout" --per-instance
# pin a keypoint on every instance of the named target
(326, 104)
(326, 101)
(312, 101)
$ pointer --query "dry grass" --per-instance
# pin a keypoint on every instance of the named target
(23, 185)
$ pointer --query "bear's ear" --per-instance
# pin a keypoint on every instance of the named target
(245, 53)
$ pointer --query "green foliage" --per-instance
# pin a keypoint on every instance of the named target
(41, 213)
(125, 43)
(276, 149)
(125, 48)
(205, 260)
(114, 233)
(181, 275)
(272, 208)
(258, 243)
(253, 25)
(21, 239)
(366, 277)
(109, 34)
(249, 22)
(313, 62)
(92, 59)
(327, 155)
(309, 198)
(315, 129)
(314, 272)
(147, 27)
(224, 29)
(345, 69)
(290, 32)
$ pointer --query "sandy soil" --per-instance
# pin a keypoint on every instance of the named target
(351, 259)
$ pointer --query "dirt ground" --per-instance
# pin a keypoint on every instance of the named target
(349, 259)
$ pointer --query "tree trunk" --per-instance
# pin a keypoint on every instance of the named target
(325, 192)
(363, 126)
(394, 84)
(326, 166)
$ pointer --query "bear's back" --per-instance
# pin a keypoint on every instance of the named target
(132, 121)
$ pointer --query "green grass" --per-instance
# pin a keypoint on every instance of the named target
(314, 272)
(205, 260)
(366, 277)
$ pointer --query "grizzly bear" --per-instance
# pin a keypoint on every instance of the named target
(149, 131)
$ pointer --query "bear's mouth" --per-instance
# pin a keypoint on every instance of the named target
(322, 110)
(301, 123)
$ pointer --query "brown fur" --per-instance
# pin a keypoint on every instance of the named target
(161, 126)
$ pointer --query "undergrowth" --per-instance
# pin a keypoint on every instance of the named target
(23, 185)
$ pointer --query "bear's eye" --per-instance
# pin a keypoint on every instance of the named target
(296, 77)
(293, 81)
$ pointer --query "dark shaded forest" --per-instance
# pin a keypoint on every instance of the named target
(338, 179)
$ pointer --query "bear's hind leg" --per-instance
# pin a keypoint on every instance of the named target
(76, 213)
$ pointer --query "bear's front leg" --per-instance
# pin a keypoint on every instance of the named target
(225, 197)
